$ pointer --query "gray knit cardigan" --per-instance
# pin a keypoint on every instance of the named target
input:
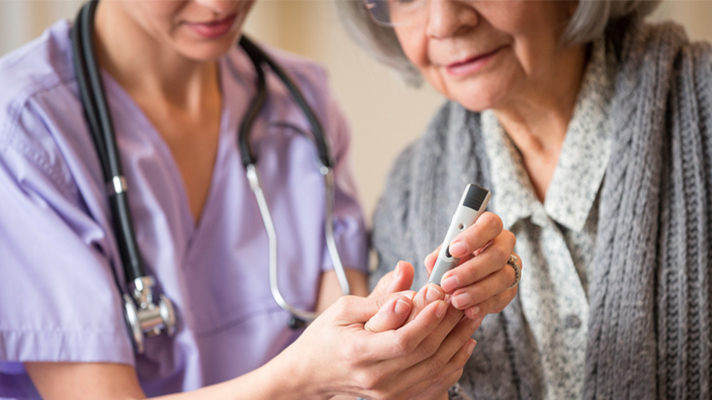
(649, 327)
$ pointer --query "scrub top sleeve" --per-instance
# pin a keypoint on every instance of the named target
(58, 296)
(349, 228)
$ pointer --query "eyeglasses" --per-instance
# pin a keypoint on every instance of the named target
(395, 12)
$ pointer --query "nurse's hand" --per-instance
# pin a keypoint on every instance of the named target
(480, 284)
(434, 386)
(358, 348)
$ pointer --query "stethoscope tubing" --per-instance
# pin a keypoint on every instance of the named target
(258, 57)
(101, 127)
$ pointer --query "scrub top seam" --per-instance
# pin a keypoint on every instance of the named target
(10, 141)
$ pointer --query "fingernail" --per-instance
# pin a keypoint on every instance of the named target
(396, 273)
(473, 312)
(401, 307)
(471, 346)
(440, 310)
(461, 300)
(458, 249)
(450, 283)
(432, 294)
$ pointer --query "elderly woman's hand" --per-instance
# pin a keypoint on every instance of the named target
(438, 380)
(481, 282)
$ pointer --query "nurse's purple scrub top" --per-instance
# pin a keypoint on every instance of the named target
(58, 257)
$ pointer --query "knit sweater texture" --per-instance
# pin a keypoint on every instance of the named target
(649, 333)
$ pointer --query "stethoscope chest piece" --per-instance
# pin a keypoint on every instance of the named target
(148, 318)
(143, 315)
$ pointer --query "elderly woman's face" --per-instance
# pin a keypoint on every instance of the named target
(485, 54)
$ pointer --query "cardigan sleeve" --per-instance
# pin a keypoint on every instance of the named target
(390, 238)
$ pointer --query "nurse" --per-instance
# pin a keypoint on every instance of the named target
(177, 88)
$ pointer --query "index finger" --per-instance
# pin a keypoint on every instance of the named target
(486, 228)
(404, 340)
(400, 279)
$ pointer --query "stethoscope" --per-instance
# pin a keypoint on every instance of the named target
(143, 315)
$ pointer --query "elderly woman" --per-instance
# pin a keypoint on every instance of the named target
(593, 130)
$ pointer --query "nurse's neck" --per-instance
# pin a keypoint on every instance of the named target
(146, 66)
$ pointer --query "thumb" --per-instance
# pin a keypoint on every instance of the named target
(400, 279)
(430, 260)
(359, 310)
(391, 316)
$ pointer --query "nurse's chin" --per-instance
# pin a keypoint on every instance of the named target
(207, 52)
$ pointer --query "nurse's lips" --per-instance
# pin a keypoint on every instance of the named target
(471, 64)
(213, 29)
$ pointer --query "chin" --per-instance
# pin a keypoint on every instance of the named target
(477, 102)
(207, 52)
(478, 95)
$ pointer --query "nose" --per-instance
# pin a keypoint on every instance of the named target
(448, 18)
(219, 7)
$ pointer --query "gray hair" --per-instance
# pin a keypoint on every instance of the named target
(588, 23)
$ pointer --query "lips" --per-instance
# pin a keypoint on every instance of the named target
(213, 29)
(472, 64)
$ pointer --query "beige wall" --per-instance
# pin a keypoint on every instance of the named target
(384, 114)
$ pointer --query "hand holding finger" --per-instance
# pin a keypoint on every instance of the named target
(426, 295)
(401, 342)
(354, 309)
(391, 316)
(431, 375)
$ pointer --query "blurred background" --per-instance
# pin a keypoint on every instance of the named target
(384, 114)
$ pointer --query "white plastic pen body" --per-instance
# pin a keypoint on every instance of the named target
(472, 204)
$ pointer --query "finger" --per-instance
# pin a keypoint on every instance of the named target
(354, 309)
(426, 295)
(400, 279)
(390, 316)
(450, 356)
(399, 343)
(493, 305)
(432, 343)
(479, 292)
(486, 228)
(430, 260)
(491, 260)
(428, 388)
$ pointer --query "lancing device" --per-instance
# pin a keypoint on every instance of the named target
(472, 204)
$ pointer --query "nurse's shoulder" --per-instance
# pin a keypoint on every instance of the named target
(35, 69)
(39, 104)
